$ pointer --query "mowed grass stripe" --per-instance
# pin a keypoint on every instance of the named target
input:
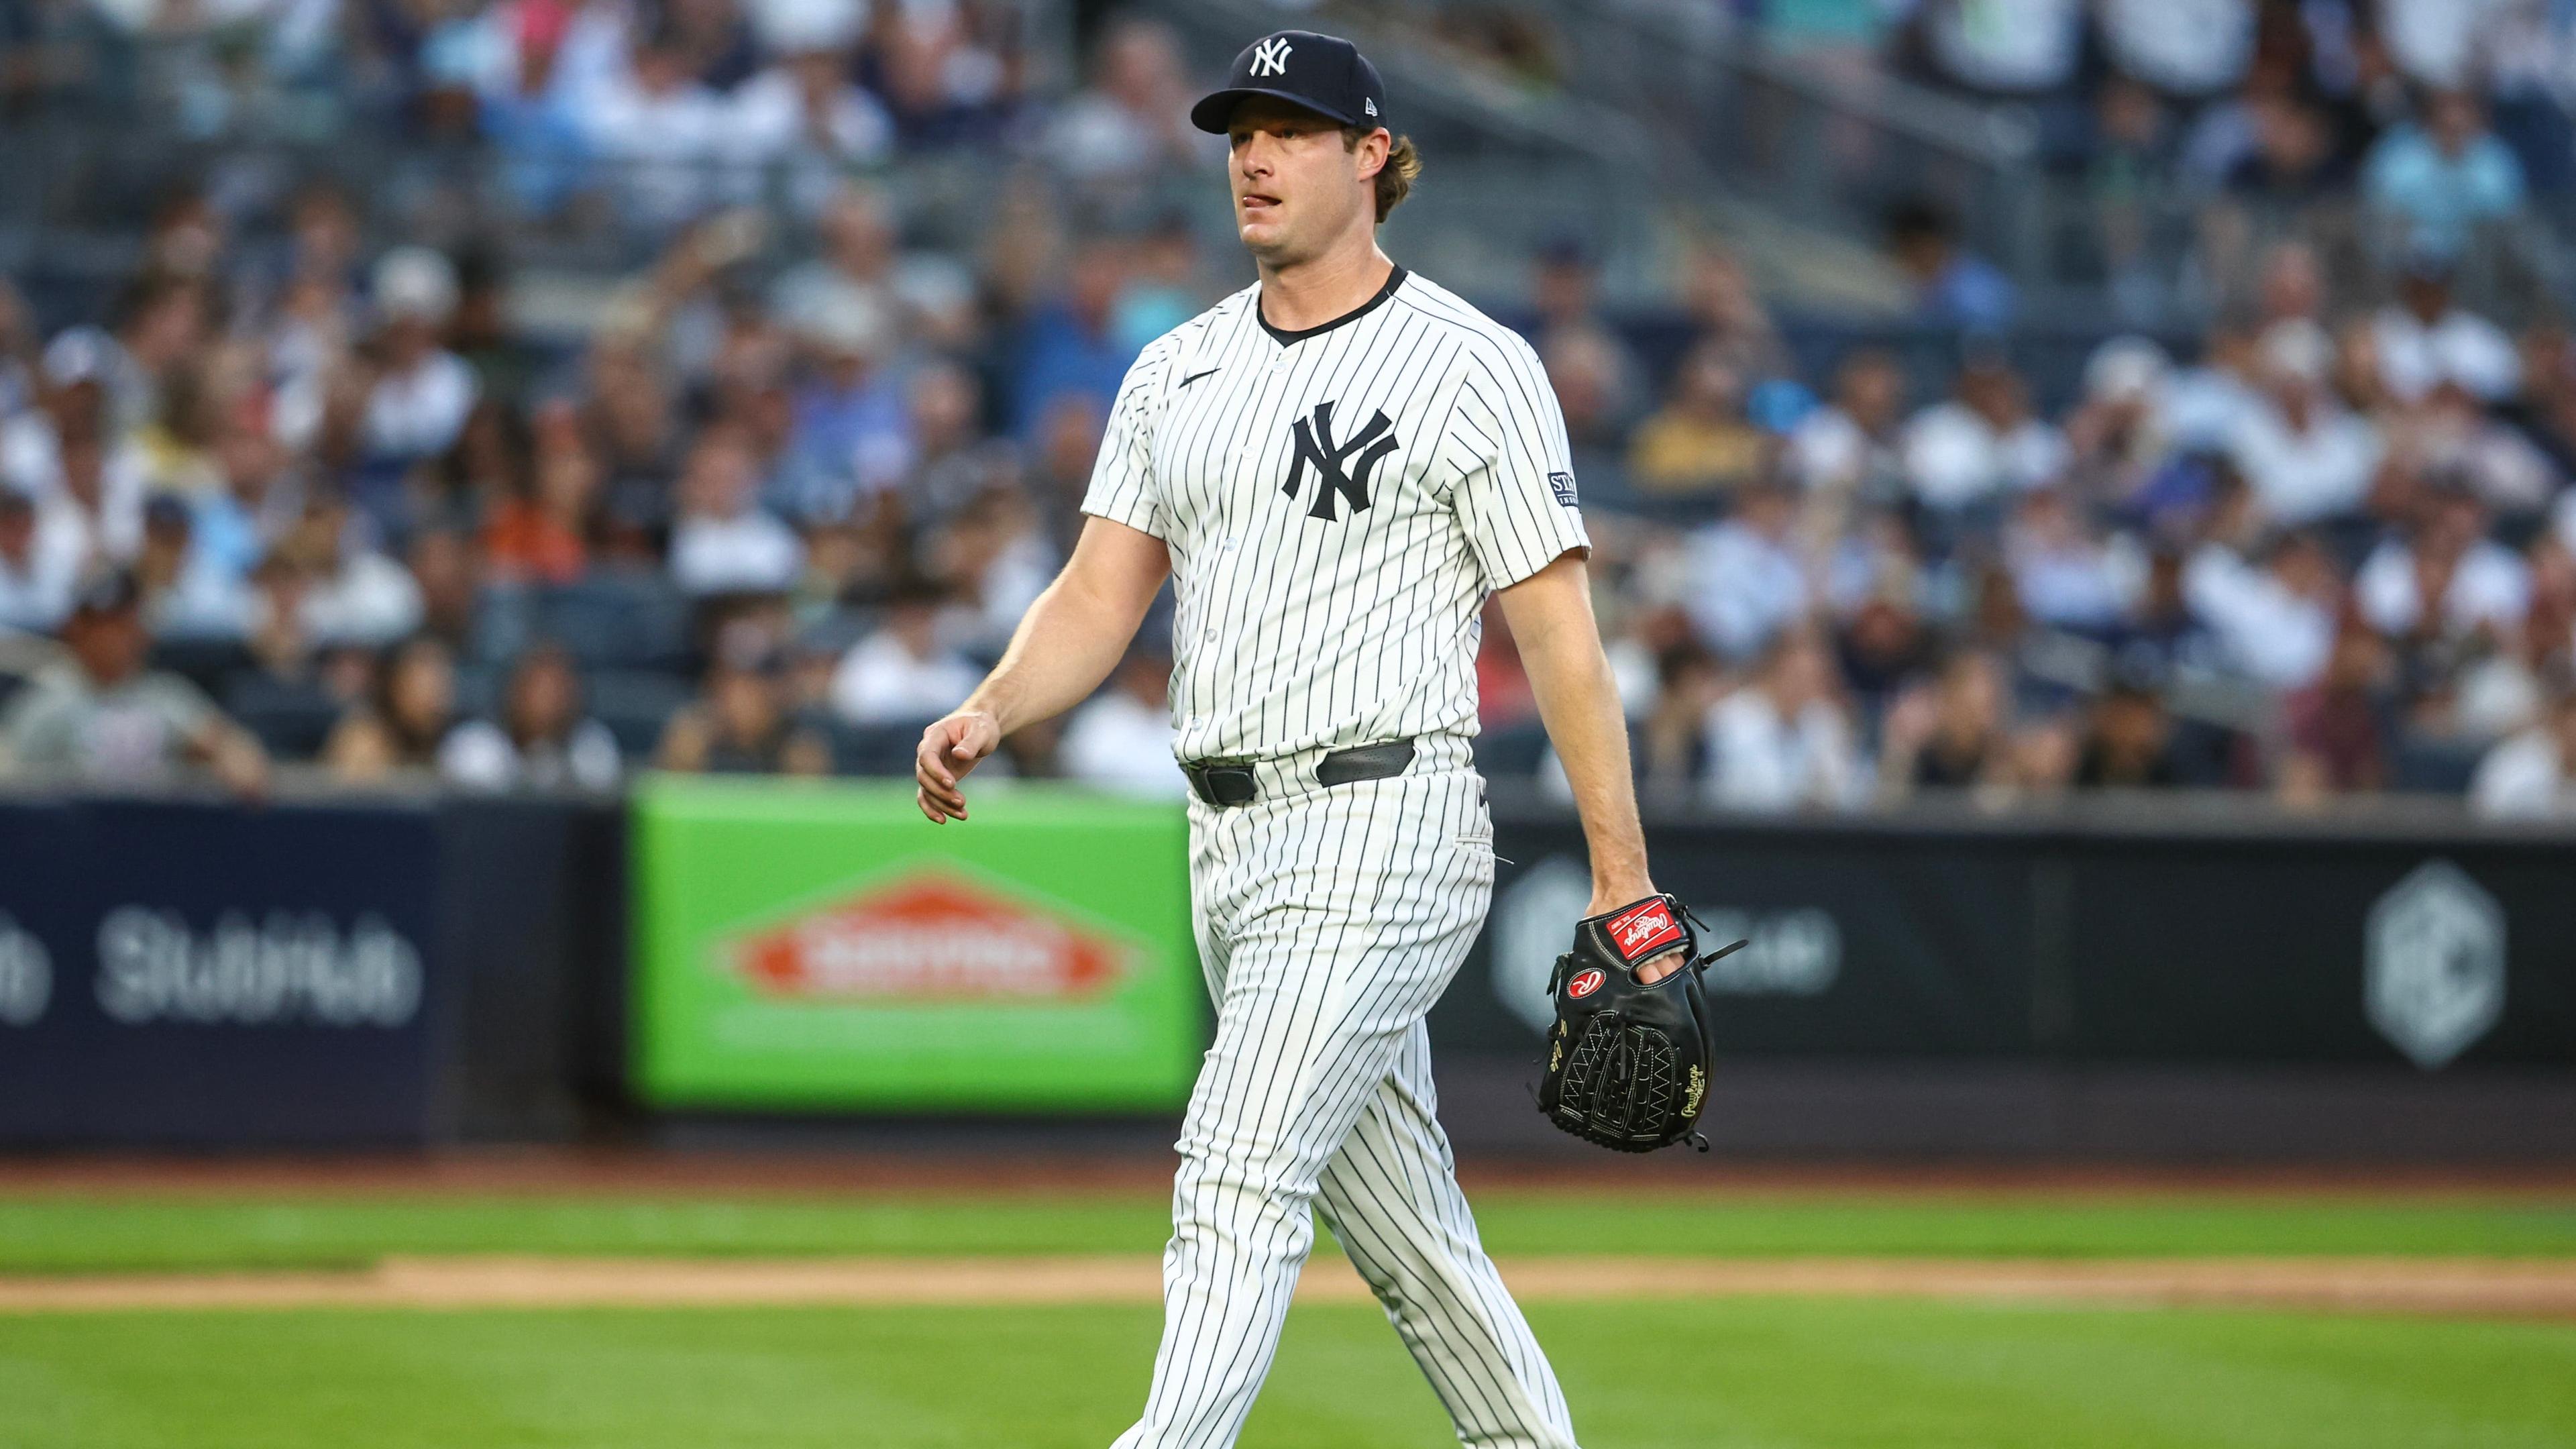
(1748, 1374)
(143, 1232)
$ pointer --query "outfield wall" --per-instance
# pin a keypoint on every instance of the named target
(335, 973)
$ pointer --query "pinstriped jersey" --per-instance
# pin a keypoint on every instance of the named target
(1337, 503)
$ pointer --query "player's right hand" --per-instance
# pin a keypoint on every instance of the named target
(950, 748)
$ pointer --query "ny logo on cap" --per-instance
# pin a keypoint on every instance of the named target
(1316, 446)
(1270, 57)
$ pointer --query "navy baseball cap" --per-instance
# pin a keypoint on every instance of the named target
(1324, 73)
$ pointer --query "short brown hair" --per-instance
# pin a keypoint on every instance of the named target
(1395, 179)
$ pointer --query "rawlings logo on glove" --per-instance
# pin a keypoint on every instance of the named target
(1628, 1060)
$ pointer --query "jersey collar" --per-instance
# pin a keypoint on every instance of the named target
(1284, 337)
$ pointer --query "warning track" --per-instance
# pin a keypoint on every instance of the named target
(2449, 1286)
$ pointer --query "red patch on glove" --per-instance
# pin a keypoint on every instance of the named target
(1642, 930)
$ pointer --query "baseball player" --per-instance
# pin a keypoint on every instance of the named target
(1335, 466)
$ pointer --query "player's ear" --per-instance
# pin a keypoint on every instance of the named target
(1368, 149)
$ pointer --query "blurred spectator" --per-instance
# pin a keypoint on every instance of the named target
(852, 430)
(2446, 577)
(796, 127)
(2187, 48)
(1950, 735)
(2342, 729)
(1746, 580)
(102, 718)
(421, 391)
(2304, 455)
(1983, 445)
(541, 741)
(723, 541)
(2533, 774)
(740, 724)
(659, 130)
(1953, 287)
(1851, 447)
(1122, 739)
(901, 672)
(2424, 339)
(2127, 741)
(1699, 442)
(2275, 624)
(351, 592)
(186, 593)
(2004, 47)
(2441, 180)
(1783, 742)
(1131, 124)
(2066, 573)
(401, 728)
(38, 570)
(1069, 346)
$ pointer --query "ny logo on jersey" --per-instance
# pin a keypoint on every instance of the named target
(1315, 445)
(1270, 57)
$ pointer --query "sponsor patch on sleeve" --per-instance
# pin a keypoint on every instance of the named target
(1642, 930)
(1563, 486)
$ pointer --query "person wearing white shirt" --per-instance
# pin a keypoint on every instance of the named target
(38, 570)
(2304, 455)
(1982, 445)
(658, 131)
(2021, 47)
(2065, 574)
(2181, 47)
(2424, 341)
(1852, 442)
(2483, 584)
(542, 740)
(800, 124)
(421, 396)
(901, 673)
(1782, 742)
(723, 541)
(1122, 739)
(2532, 775)
(1746, 581)
(2275, 624)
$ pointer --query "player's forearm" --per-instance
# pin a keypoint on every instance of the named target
(1578, 701)
(1065, 646)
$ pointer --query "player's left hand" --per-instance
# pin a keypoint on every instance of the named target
(1647, 972)
(948, 750)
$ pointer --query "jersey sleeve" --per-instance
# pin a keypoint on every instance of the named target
(1516, 498)
(1122, 487)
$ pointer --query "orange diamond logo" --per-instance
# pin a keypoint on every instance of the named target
(929, 936)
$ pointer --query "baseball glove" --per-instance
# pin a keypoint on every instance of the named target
(1628, 1062)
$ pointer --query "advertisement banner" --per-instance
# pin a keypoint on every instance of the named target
(821, 946)
(201, 973)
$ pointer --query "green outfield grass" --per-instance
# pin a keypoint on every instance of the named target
(1759, 1374)
(55, 1234)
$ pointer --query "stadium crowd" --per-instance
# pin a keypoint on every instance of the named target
(312, 501)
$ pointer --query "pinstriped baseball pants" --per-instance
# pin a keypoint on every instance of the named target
(1328, 922)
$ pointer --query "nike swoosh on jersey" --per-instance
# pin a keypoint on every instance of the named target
(1195, 376)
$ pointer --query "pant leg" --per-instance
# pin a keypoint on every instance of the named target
(1343, 917)
(1391, 1196)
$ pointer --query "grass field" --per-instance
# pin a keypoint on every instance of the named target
(83, 1233)
(1761, 1373)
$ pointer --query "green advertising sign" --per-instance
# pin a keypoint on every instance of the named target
(820, 945)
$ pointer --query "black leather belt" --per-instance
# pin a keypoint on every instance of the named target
(1228, 783)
